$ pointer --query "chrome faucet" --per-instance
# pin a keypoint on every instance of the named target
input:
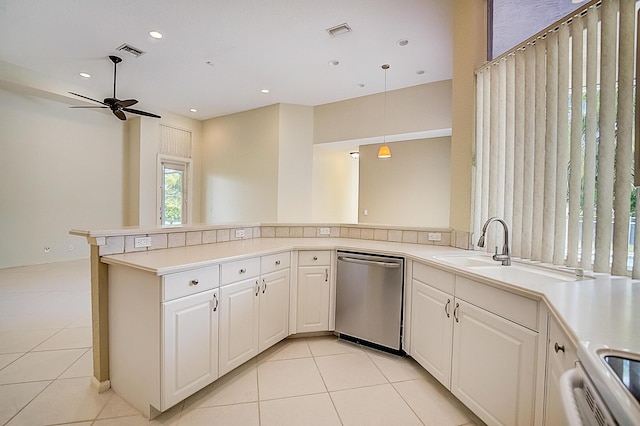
(505, 256)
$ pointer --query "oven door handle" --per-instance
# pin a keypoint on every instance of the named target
(391, 265)
(570, 380)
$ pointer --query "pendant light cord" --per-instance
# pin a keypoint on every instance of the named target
(385, 67)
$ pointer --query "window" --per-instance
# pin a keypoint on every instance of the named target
(173, 194)
(559, 168)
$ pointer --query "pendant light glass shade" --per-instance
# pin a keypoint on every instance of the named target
(384, 152)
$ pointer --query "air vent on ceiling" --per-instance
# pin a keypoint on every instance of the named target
(130, 49)
(339, 29)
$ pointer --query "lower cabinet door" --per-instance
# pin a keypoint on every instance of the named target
(493, 370)
(274, 309)
(239, 310)
(313, 299)
(432, 330)
(190, 345)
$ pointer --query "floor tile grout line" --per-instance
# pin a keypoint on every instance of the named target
(32, 399)
(333, 404)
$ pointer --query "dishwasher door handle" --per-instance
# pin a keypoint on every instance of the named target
(391, 265)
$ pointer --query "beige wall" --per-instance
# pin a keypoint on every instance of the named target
(61, 169)
(420, 108)
(469, 52)
(295, 163)
(412, 188)
(240, 166)
(335, 186)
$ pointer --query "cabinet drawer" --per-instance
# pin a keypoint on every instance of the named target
(443, 281)
(189, 282)
(565, 354)
(513, 307)
(240, 270)
(275, 262)
(314, 257)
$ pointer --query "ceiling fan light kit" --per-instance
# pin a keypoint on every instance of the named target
(117, 106)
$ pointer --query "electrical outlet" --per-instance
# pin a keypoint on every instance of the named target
(70, 247)
(239, 233)
(435, 236)
(366, 212)
(47, 249)
(140, 242)
(325, 231)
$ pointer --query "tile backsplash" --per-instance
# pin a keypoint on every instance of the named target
(208, 234)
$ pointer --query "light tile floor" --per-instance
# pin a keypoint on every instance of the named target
(46, 368)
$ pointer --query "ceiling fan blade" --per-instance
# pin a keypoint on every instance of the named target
(86, 97)
(119, 114)
(87, 106)
(137, 111)
(126, 103)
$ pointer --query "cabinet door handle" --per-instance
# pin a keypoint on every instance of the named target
(264, 288)
(326, 275)
(277, 263)
(558, 348)
(315, 257)
(257, 287)
(446, 308)
(194, 282)
(215, 299)
(455, 312)
(242, 271)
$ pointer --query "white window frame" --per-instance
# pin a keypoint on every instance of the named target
(187, 186)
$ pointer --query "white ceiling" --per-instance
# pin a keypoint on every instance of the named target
(280, 45)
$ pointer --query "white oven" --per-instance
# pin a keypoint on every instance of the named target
(603, 389)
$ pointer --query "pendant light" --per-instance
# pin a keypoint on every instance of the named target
(384, 151)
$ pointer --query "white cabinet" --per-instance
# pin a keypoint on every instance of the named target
(190, 345)
(432, 330)
(314, 291)
(562, 355)
(274, 309)
(163, 341)
(239, 316)
(493, 369)
(478, 341)
(254, 312)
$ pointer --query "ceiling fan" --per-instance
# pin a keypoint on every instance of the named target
(116, 105)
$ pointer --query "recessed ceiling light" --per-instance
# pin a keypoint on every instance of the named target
(155, 34)
(403, 42)
(360, 85)
(334, 62)
(211, 64)
(85, 75)
(420, 72)
(265, 91)
(193, 110)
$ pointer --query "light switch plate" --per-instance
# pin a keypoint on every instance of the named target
(435, 236)
(141, 242)
(239, 233)
(325, 231)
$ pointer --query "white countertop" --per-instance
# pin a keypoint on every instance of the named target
(603, 310)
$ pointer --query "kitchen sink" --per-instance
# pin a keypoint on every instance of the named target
(516, 273)
(468, 261)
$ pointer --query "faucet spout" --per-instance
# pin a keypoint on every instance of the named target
(505, 256)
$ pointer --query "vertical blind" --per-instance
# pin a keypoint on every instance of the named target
(174, 141)
(554, 142)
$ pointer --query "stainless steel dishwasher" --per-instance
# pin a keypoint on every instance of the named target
(369, 289)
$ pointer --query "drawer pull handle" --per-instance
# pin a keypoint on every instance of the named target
(257, 288)
(277, 263)
(215, 299)
(194, 282)
(558, 348)
(455, 312)
(446, 308)
(242, 271)
(315, 257)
